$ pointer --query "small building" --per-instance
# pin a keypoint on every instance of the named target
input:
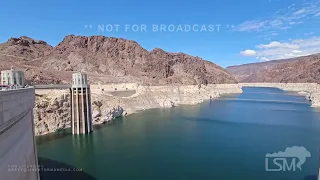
(12, 77)
(81, 120)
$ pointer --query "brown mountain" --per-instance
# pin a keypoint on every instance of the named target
(301, 69)
(25, 47)
(17, 50)
(107, 59)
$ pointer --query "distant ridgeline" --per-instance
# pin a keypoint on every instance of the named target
(297, 70)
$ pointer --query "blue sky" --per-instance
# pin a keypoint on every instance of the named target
(244, 31)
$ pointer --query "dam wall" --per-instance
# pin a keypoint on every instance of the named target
(18, 155)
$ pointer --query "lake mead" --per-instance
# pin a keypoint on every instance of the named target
(225, 138)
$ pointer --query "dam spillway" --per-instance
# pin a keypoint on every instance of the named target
(18, 155)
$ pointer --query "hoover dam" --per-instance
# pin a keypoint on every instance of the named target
(18, 154)
(18, 125)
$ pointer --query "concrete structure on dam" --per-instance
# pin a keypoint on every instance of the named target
(81, 116)
(18, 155)
(12, 77)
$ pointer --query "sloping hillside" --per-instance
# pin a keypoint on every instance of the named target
(107, 59)
(301, 69)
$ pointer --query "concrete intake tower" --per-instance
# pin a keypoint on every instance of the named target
(81, 118)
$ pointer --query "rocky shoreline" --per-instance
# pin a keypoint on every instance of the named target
(310, 90)
(52, 109)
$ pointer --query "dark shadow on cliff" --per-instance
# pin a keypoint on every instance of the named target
(53, 136)
(310, 177)
(47, 173)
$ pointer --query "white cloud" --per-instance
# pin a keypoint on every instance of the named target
(289, 55)
(292, 6)
(276, 44)
(275, 23)
(268, 35)
(297, 52)
(300, 11)
(295, 22)
(285, 49)
(263, 58)
(282, 19)
(250, 26)
(307, 43)
(308, 33)
(248, 52)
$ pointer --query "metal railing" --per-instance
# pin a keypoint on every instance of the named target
(52, 86)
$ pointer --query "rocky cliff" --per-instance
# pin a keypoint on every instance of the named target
(297, 70)
(52, 112)
(25, 48)
(105, 60)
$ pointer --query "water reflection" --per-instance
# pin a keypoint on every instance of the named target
(82, 141)
(53, 136)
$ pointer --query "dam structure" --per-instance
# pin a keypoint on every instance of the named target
(18, 154)
(12, 77)
(81, 117)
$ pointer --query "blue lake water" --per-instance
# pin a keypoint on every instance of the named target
(227, 138)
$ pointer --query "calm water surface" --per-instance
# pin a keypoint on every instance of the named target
(226, 138)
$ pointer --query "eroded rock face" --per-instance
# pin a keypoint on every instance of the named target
(52, 113)
(104, 114)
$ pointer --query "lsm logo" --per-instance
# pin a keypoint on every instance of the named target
(289, 160)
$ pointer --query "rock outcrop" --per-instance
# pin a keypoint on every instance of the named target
(104, 114)
(25, 48)
(52, 112)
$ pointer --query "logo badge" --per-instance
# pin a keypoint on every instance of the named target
(289, 160)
